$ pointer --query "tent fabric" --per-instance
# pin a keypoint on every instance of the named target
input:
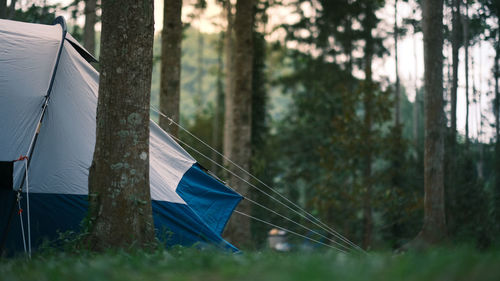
(187, 202)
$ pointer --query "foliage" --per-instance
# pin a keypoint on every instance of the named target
(44, 14)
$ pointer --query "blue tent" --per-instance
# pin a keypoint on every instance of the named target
(189, 205)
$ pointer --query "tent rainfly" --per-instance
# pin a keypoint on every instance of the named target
(43, 65)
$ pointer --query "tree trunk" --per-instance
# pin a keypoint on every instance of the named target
(416, 104)
(434, 227)
(239, 133)
(119, 191)
(218, 121)
(170, 79)
(3, 9)
(199, 74)
(465, 24)
(497, 90)
(455, 47)
(12, 9)
(89, 30)
(397, 120)
(369, 23)
(349, 47)
(229, 71)
(497, 127)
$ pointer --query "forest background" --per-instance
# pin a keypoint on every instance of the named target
(311, 138)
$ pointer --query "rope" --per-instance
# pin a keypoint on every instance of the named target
(323, 225)
(28, 207)
(292, 232)
(296, 223)
(260, 190)
(21, 219)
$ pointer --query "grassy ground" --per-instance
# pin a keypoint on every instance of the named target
(191, 264)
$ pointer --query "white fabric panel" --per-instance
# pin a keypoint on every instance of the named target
(168, 163)
(28, 53)
(64, 150)
(66, 141)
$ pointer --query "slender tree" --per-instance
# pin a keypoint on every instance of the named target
(171, 39)
(218, 121)
(119, 192)
(200, 73)
(12, 9)
(434, 227)
(229, 72)
(416, 105)
(238, 137)
(369, 23)
(89, 28)
(465, 25)
(455, 46)
(397, 120)
(496, 111)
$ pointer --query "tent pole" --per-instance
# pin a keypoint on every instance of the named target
(61, 21)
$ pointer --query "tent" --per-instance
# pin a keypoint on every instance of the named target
(189, 205)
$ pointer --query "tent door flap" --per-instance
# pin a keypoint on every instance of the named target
(6, 175)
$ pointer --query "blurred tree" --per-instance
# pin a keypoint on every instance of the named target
(171, 64)
(218, 121)
(492, 12)
(238, 133)
(89, 27)
(434, 227)
(455, 45)
(120, 167)
(3, 9)
(465, 25)
(229, 72)
(44, 14)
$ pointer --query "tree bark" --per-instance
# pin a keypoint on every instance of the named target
(119, 190)
(238, 147)
(455, 46)
(434, 227)
(89, 28)
(171, 40)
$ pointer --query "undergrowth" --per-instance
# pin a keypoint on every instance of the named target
(180, 263)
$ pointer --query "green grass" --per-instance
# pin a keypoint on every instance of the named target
(191, 264)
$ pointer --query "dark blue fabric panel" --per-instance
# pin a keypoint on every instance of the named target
(210, 199)
(53, 213)
(49, 213)
(177, 224)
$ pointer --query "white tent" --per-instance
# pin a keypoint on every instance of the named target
(190, 205)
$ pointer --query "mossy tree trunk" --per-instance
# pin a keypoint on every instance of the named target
(119, 191)
(171, 40)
